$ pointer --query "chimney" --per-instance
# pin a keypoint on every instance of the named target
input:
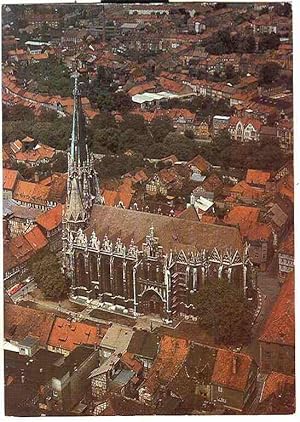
(234, 364)
(36, 177)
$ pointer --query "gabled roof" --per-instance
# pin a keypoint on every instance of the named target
(171, 356)
(257, 177)
(243, 217)
(287, 246)
(224, 373)
(274, 384)
(31, 192)
(20, 322)
(51, 219)
(280, 325)
(36, 239)
(172, 233)
(200, 163)
(247, 191)
(144, 343)
(70, 334)
(10, 178)
(117, 338)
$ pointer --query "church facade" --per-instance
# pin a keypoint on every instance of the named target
(137, 262)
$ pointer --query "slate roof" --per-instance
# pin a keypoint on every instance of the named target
(144, 344)
(173, 233)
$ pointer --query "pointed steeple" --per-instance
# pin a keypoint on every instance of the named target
(75, 211)
(78, 140)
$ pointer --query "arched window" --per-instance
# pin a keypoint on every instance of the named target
(93, 268)
(82, 278)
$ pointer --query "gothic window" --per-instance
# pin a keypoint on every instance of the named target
(82, 278)
(93, 267)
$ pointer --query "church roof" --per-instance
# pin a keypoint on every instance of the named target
(173, 233)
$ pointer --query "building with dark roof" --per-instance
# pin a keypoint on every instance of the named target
(138, 262)
(144, 346)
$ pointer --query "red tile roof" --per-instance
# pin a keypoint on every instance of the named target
(139, 89)
(36, 239)
(170, 358)
(259, 231)
(244, 217)
(9, 178)
(20, 322)
(280, 325)
(224, 373)
(200, 163)
(246, 191)
(257, 177)
(133, 364)
(31, 192)
(287, 246)
(51, 219)
(68, 335)
(274, 383)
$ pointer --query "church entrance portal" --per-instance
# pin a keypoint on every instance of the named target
(151, 303)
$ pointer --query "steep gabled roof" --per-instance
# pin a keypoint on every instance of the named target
(172, 233)
(280, 325)
(19, 322)
(224, 373)
(10, 178)
(51, 219)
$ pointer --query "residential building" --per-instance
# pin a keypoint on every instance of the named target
(144, 347)
(244, 130)
(278, 395)
(70, 380)
(286, 256)
(223, 376)
(10, 179)
(21, 323)
(277, 341)
(66, 335)
(50, 222)
(115, 340)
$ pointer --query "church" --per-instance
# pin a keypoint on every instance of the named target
(137, 262)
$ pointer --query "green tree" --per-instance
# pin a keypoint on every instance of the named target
(268, 42)
(160, 127)
(46, 270)
(269, 73)
(224, 312)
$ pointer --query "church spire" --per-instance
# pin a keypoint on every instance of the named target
(78, 139)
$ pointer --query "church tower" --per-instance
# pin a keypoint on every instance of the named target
(82, 186)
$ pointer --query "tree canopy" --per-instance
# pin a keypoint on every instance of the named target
(224, 312)
(46, 270)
